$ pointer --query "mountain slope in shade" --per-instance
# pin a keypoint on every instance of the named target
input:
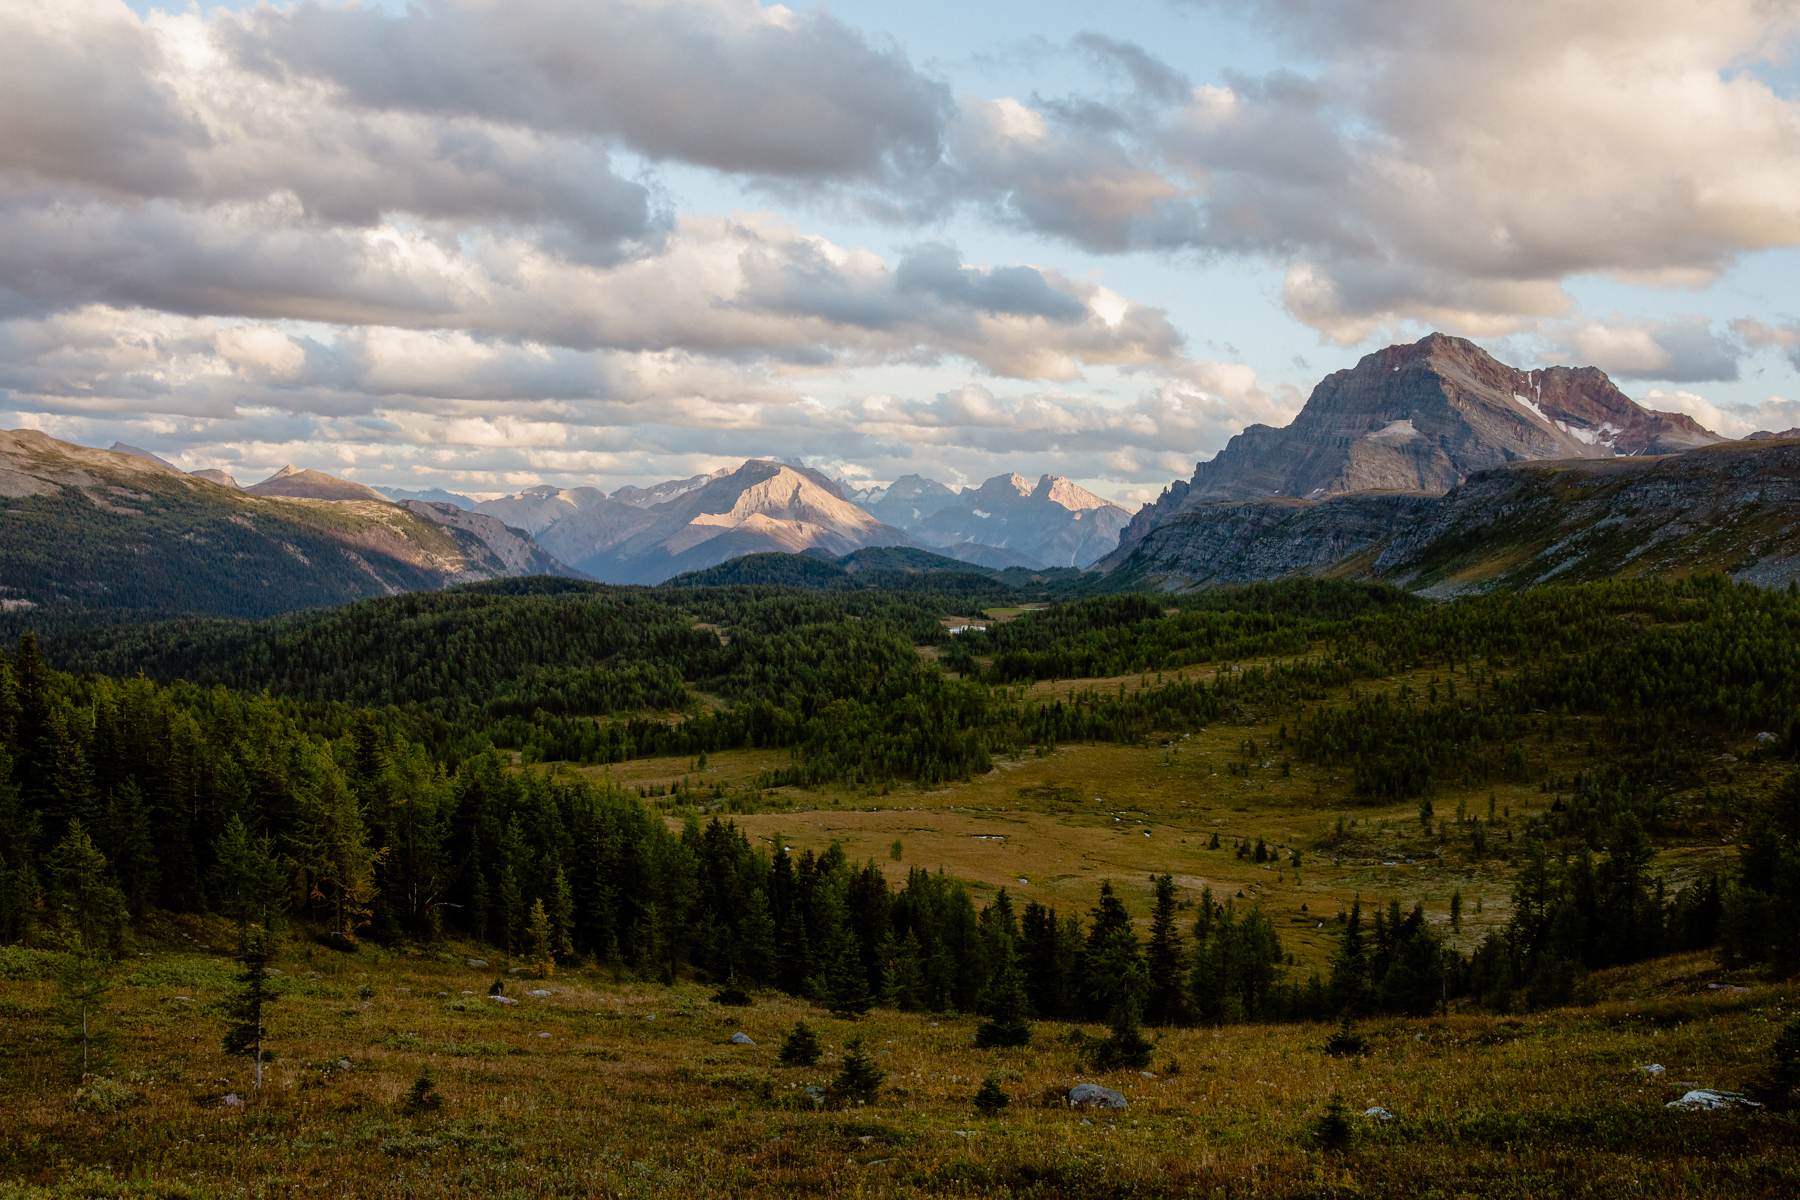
(1052, 523)
(1422, 418)
(909, 501)
(296, 483)
(761, 506)
(93, 529)
(1733, 507)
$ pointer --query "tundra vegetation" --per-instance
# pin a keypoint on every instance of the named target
(1344, 893)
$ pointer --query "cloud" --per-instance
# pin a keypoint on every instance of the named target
(1773, 414)
(1761, 335)
(1680, 351)
(729, 84)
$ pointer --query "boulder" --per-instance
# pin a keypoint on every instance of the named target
(503, 999)
(740, 1038)
(1092, 1095)
(477, 963)
(1708, 1100)
(538, 993)
(1378, 1113)
(1652, 1069)
(232, 1100)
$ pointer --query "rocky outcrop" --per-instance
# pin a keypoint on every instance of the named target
(1733, 508)
(1269, 538)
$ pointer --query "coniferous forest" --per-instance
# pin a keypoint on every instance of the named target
(387, 784)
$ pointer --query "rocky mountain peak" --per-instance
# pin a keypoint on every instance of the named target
(1422, 417)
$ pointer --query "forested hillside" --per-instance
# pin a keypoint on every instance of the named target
(365, 791)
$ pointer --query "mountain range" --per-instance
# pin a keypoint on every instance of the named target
(1431, 464)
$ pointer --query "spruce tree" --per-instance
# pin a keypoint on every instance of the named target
(246, 1007)
(81, 891)
(245, 882)
(1005, 1005)
(990, 1098)
(858, 1079)
(801, 1046)
(1165, 1004)
(562, 917)
(82, 985)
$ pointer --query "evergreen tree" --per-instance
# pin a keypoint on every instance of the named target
(562, 917)
(1348, 991)
(1005, 1005)
(801, 1046)
(858, 1080)
(246, 1007)
(1166, 1003)
(245, 882)
(539, 940)
(83, 982)
(990, 1098)
(81, 892)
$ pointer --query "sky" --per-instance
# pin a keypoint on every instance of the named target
(486, 244)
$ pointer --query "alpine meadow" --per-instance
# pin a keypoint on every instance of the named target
(718, 599)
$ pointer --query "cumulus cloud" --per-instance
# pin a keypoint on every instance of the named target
(730, 84)
(1762, 335)
(1681, 351)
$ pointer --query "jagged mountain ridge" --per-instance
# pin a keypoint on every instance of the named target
(1007, 520)
(1423, 417)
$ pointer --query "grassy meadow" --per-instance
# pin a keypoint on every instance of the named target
(614, 1088)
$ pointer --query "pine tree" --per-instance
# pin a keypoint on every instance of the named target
(245, 1009)
(1165, 1004)
(858, 1079)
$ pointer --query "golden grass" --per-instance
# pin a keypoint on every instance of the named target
(624, 1089)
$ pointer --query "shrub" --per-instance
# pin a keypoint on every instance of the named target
(1345, 1042)
(732, 996)
(801, 1046)
(100, 1094)
(423, 1096)
(1780, 1088)
(990, 1099)
(1332, 1129)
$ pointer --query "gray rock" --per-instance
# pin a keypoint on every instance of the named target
(814, 1095)
(1092, 1095)
(477, 963)
(343, 1064)
(1708, 1100)
(740, 1038)
(1765, 738)
(1377, 1113)
(1652, 1069)
(232, 1100)
(538, 993)
(503, 999)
